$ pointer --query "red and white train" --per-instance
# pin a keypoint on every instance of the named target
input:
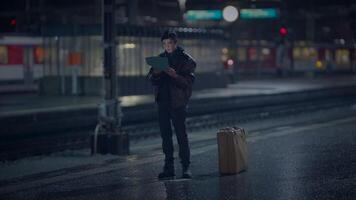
(73, 64)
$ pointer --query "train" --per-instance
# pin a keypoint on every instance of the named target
(68, 61)
(246, 58)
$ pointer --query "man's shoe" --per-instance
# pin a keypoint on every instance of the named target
(166, 175)
(186, 174)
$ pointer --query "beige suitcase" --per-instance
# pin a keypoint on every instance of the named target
(232, 149)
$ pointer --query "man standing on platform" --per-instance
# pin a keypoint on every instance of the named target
(173, 88)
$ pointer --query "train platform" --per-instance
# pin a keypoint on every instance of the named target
(46, 115)
(304, 156)
(19, 104)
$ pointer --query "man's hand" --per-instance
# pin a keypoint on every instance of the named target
(171, 72)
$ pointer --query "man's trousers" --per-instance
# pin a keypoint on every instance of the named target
(166, 117)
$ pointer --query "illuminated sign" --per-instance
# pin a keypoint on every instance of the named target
(192, 15)
(262, 13)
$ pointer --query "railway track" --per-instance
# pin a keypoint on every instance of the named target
(78, 139)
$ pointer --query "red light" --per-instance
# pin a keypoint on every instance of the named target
(283, 31)
(13, 22)
(230, 62)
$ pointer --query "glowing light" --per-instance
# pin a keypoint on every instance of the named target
(318, 64)
(127, 46)
(223, 58)
(225, 50)
(230, 13)
(230, 62)
(283, 31)
(13, 22)
(266, 51)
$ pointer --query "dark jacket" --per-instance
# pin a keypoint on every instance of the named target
(180, 88)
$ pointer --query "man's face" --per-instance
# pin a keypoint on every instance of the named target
(169, 45)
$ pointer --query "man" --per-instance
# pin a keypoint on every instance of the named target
(173, 88)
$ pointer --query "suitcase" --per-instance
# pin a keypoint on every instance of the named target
(232, 150)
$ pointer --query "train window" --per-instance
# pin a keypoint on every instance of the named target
(132, 52)
(74, 58)
(313, 53)
(3, 54)
(266, 51)
(51, 56)
(38, 55)
(137, 56)
(225, 50)
(342, 56)
(15, 54)
(266, 54)
(96, 53)
(131, 61)
(305, 53)
(242, 54)
(146, 50)
(86, 55)
(308, 53)
(328, 55)
(297, 53)
(252, 54)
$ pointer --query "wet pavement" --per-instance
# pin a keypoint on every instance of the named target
(304, 156)
(44, 116)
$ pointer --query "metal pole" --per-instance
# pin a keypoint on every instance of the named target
(108, 137)
(109, 49)
(311, 22)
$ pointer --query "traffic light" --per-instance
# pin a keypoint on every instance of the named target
(283, 31)
(13, 22)
(7, 24)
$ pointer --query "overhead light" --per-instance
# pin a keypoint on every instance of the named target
(225, 50)
(230, 62)
(127, 46)
(230, 13)
(318, 64)
(266, 51)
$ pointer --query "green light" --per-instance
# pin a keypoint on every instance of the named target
(258, 13)
(193, 15)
